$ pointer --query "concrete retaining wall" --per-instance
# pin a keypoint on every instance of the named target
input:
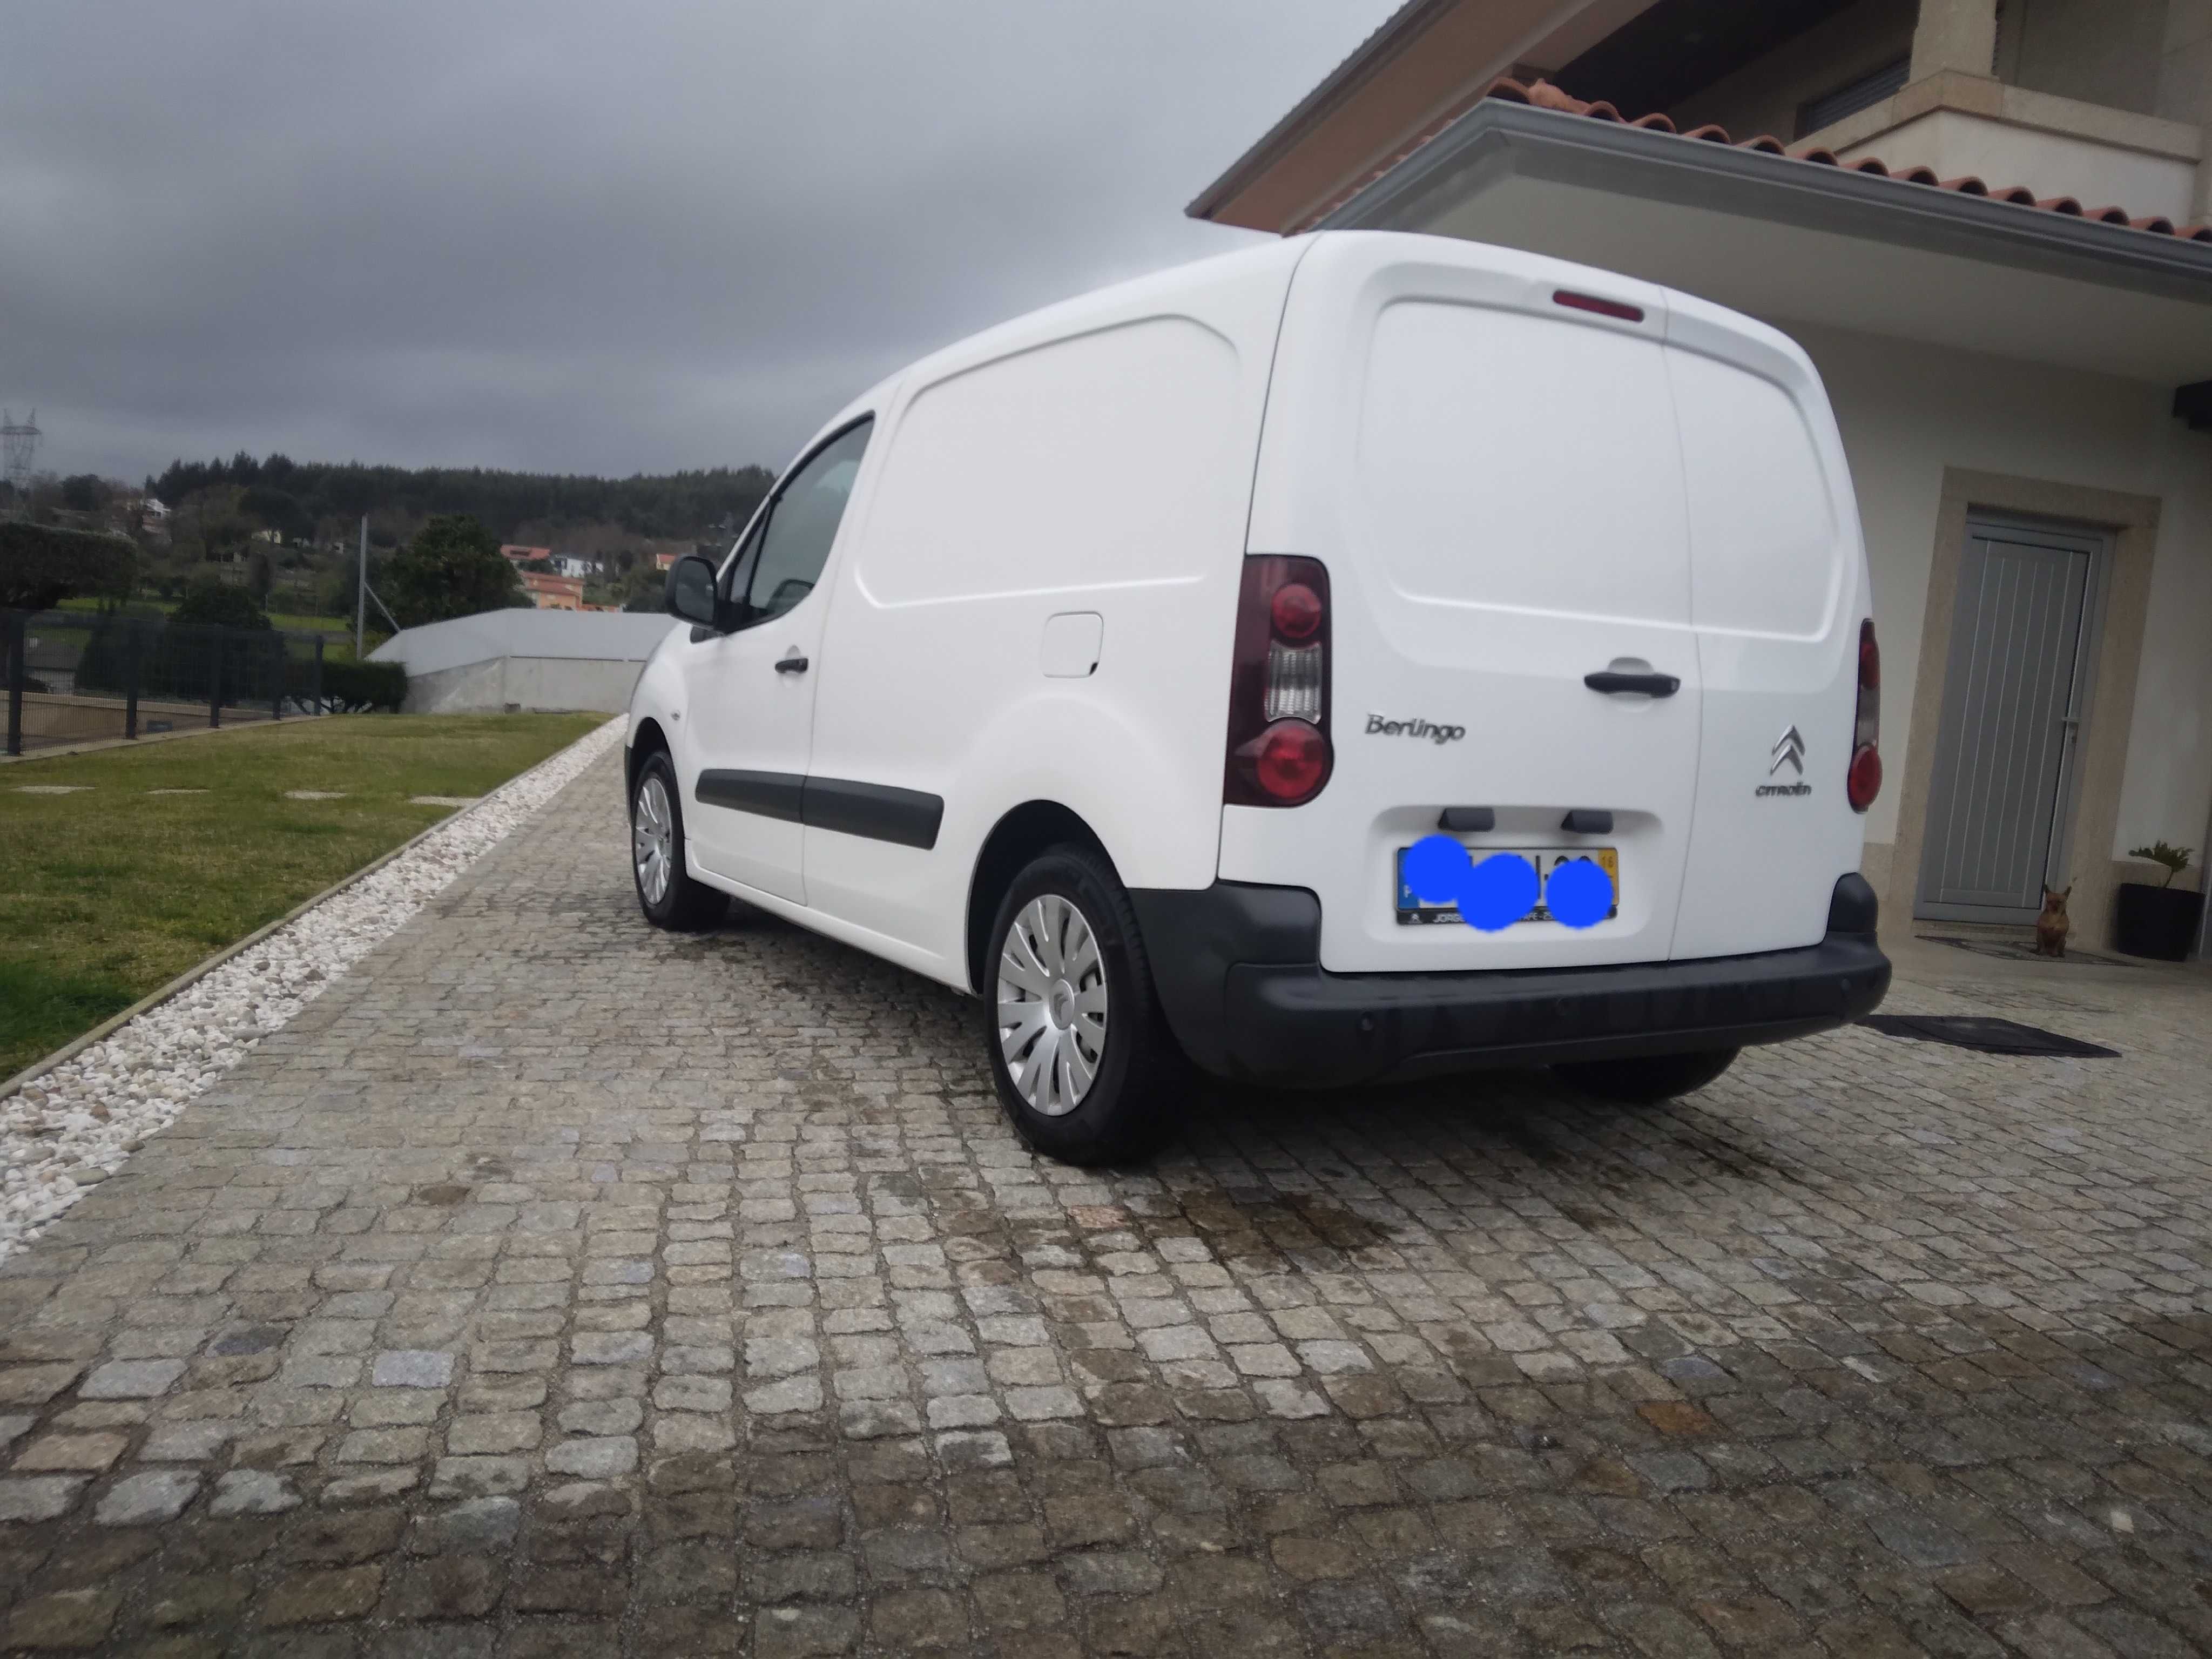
(532, 684)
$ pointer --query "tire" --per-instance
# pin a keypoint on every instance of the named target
(1649, 1079)
(656, 859)
(1034, 960)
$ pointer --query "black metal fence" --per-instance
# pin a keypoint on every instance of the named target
(80, 677)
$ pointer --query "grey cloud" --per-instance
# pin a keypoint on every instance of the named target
(579, 236)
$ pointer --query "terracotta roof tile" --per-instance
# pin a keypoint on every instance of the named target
(1542, 94)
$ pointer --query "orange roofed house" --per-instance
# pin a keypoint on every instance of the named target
(1986, 223)
(550, 592)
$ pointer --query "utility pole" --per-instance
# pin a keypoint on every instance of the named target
(361, 593)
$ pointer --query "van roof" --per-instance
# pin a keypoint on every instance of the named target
(1266, 262)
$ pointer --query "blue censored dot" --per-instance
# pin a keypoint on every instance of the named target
(1579, 894)
(1499, 891)
(1436, 868)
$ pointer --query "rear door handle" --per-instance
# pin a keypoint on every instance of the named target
(1651, 685)
(791, 665)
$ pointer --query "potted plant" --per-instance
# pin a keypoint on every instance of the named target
(2159, 921)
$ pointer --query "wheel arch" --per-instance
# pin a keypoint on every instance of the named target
(1020, 835)
(648, 739)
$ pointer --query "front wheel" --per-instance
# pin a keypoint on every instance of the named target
(666, 891)
(1084, 1063)
(1645, 1081)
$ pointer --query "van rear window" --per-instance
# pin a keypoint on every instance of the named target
(1102, 459)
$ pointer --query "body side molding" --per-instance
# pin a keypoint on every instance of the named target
(878, 811)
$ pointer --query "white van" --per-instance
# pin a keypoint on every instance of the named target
(1115, 665)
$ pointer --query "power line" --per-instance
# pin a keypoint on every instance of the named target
(19, 448)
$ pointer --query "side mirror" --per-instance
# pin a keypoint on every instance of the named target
(691, 595)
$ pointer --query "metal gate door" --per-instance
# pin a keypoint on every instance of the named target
(2015, 695)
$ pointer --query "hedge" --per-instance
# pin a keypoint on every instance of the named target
(41, 565)
(355, 688)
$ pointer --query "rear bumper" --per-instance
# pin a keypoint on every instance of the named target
(1240, 982)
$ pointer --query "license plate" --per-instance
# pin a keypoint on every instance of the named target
(1413, 913)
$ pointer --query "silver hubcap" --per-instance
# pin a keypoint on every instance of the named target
(1052, 1004)
(653, 840)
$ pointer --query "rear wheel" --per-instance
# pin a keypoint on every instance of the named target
(1084, 1063)
(1653, 1077)
(667, 895)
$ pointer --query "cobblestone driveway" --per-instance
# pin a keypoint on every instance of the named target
(555, 1286)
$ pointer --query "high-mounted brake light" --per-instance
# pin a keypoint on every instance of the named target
(1862, 782)
(1614, 308)
(1278, 750)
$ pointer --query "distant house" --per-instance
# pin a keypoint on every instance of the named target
(569, 565)
(515, 553)
(154, 507)
(550, 592)
(662, 560)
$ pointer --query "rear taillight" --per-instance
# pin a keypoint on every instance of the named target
(1279, 747)
(1863, 781)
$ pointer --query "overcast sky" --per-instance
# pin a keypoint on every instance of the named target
(582, 235)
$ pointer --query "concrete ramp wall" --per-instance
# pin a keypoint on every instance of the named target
(525, 660)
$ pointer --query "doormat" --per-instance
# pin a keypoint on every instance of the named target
(1986, 1036)
(2023, 950)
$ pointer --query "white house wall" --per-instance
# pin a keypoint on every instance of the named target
(1908, 412)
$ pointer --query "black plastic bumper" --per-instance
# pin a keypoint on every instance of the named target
(1240, 978)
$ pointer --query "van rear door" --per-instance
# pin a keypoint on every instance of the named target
(1778, 588)
(1480, 445)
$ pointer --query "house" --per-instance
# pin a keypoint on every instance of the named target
(1984, 223)
(567, 564)
(550, 592)
(663, 560)
(514, 553)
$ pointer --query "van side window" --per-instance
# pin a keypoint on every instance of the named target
(802, 525)
(738, 569)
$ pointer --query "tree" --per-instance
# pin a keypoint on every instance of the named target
(211, 601)
(84, 492)
(40, 565)
(451, 569)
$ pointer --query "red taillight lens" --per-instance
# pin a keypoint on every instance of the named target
(1279, 752)
(1863, 781)
(1290, 760)
(1296, 611)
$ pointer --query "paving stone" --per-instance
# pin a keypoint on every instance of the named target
(412, 1368)
(595, 1459)
(719, 1305)
(40, 1499)
(138, 1500)
(252, 1491)
(68, 1620)
(321, 1597)
(130, 1379)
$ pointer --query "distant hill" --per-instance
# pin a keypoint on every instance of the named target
(308, 499)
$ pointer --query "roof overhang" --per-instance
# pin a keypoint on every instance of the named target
(1796, 240)
(1427, 60)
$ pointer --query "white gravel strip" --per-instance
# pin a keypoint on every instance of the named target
(75, 1126)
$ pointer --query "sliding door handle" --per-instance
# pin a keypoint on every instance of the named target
(791, 665)
(1651, 685)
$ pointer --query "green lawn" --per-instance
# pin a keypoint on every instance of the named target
(107, 894)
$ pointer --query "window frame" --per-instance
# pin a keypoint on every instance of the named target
(737, 574)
